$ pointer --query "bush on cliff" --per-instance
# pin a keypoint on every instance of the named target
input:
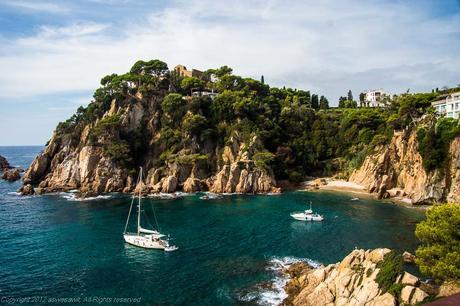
(438, 256)
(390, 267)
(434, 142)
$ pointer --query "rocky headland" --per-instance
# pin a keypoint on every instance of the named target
(361, 278)
(219, 132)
(396, 170)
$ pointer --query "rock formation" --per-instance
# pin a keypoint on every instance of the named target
(68, 163)
(396, 170)
(349, 282)
(4, 165)
(11, 175)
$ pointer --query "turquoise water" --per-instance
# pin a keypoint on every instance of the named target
(55, 247)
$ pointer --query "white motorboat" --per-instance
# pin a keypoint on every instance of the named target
(145, 238)
(307, 215)
(354, 199)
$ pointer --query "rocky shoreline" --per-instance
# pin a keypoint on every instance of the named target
(355, 281)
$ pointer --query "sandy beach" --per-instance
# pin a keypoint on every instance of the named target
(332, 184)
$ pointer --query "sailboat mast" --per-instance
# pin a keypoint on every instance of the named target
(139, 205)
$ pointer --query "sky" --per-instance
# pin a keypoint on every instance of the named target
(54, 53)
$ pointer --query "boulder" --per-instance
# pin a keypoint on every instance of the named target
(449, 288)
(409, 279)
(376, 255)
(408, 257)
(383, 300)
(169, 184)
(27, 190)
(418, 296)
(4, 165)
(406, 294)
(11, 175)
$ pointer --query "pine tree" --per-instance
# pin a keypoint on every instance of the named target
(262, 80)
(350, 96)
(323, 103)
(314, 101)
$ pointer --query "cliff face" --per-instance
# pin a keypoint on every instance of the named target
(350, 282)
(75, 163)
(396, 170)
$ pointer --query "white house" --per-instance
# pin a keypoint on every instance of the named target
(448, 106)
(375, 98)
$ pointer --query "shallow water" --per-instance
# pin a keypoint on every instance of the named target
(230, 249)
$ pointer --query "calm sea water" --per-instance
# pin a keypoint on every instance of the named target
(229, 249)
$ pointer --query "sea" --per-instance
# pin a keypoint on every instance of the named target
(57, 249)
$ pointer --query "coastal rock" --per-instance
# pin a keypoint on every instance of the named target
(169, 184)
(349, 282)
(240, 174)
(27, 190)
(396, 170)
(409, 279)
(192, 185)
(4, 165)
(11, 175)
(449, 288)
(408, 257)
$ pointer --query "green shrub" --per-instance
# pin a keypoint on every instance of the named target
(438, 256)
(263, 159)
(295, 177)
(390, 267)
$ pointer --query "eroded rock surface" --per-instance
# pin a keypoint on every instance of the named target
(349, 282)
(396, 170)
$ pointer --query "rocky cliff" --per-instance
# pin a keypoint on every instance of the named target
(396, 170)
(77, 161)
(352, 282)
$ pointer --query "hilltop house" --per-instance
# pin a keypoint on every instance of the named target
(375, 98)
(449, 105)
(182, 71)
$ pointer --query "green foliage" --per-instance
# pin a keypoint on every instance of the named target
(390, 267)
(434, 142)
(174, 106)
(438, 256)
(119, 151)
(189, 84)
(194, 124)
(395, 290)
(299, 134)
(263, 159)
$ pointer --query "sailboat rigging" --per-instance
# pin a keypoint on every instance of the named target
(145, 238)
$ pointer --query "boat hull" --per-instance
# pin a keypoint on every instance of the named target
(147, 242)
(306, 217)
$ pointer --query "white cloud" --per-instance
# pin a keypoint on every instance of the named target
(77, 29)
(39, 6)
(325, 46)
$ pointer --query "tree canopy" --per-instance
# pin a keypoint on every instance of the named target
(438, 255)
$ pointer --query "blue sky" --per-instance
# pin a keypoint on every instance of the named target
(53, 53)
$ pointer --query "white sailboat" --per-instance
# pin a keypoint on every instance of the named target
(307, 215)
(145, 238)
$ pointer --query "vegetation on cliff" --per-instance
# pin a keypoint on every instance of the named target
(300, 135)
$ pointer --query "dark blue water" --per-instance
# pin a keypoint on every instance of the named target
(53, 247)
